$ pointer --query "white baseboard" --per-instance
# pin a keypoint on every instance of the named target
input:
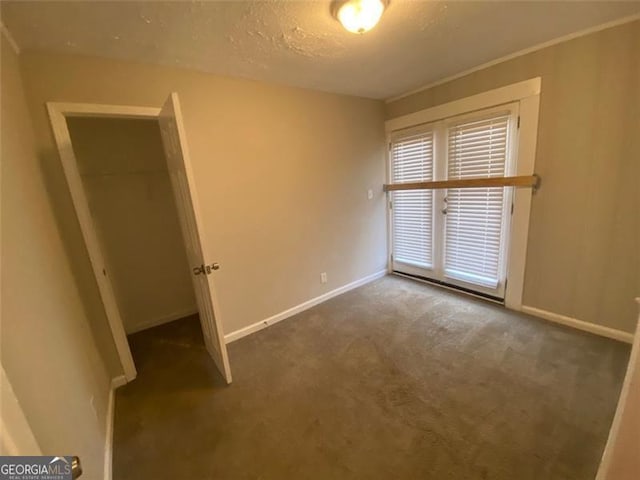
(267, 322)
(154, 322)
(108, 437)
(579, 324)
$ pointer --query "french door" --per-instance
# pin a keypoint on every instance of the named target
(456, 236)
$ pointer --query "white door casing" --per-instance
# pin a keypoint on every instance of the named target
(16, 436)
(527, 94)
(58, 112)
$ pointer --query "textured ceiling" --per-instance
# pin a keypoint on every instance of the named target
(299, 42)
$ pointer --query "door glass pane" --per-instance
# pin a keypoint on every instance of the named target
(474, 216)
(412, 161)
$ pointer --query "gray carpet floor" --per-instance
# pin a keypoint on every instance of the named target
(394, 380)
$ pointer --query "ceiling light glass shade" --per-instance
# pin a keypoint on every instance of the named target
(359, 16)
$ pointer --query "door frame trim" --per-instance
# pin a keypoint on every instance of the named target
(58, 114)
(527, 94)
(17, 435)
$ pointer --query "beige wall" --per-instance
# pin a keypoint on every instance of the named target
(47, 348)
(282, 174)
(124, 172)
(583, 257)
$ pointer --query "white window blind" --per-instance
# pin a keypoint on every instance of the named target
(412, 161)
(474, 219)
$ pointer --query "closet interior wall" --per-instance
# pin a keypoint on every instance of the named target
(124, 173)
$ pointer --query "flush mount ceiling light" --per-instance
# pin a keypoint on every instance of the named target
(359, 16)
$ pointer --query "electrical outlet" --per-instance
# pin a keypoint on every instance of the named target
(323, 277)
(369, 194)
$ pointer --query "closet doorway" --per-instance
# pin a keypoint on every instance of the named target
(131, 183)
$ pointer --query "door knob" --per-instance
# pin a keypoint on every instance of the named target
(76, 467)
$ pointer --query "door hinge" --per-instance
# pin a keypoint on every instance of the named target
(390, 205)
(512, 209)
(205, 269)
(389, 146)
(518, 121)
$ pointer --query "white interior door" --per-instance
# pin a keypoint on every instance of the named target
(182, 181)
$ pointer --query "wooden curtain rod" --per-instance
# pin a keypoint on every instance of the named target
(521, 181)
